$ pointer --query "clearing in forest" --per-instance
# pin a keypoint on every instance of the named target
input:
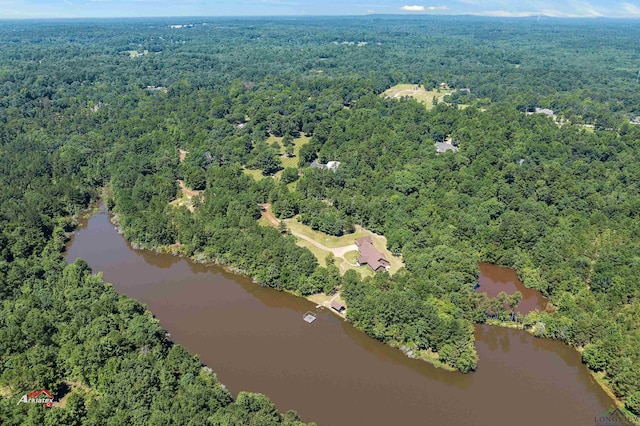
(182, 154)
(326, 300)
(417, 92)
(135, 54)
(343, 248)
(187, 195)
(256, 174)
(69, 388)
(5, 392)
(284, 159)
(297, 144)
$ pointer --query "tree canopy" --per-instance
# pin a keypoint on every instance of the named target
(93, 105)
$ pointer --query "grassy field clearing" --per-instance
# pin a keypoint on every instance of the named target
(135, 53)
(322, 238)
(286, 161)
(417, 92)
(352, 256)
(331, 242)
(256, 174)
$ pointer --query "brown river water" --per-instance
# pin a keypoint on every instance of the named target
(254, 338)
(494, 279)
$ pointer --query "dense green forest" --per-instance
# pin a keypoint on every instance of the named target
(86, 105)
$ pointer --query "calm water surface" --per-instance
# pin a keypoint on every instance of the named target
(331, 373)
(494, 279)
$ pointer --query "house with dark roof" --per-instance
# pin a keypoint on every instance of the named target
(337, 306)
(369, 255)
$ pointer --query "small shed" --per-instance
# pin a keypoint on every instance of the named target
(337, 306)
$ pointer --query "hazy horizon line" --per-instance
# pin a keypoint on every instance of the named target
(360, 15)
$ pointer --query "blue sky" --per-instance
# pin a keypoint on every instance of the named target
(129, 8)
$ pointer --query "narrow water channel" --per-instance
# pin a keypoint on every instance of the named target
(254, 338)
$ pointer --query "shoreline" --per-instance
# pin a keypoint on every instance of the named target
(426, 356)
(597, 377)
(176, 250)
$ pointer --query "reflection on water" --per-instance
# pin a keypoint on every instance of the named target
(494, 279)
(154, 259)
(255, 340)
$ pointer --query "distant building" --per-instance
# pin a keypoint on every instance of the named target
(338, 307)
(444, 147)
(157, 89)
(370, 255)
(546, 111)
(444, 85)
(331, 165)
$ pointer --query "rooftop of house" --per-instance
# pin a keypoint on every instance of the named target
(369, 254)
(331, 165)
(445, 146)
(545, 111)
(336, 305)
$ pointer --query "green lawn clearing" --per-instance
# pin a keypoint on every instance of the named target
(324, 239)
(352, 256)
(297, 143)
(417, 92)
(135, 53)
(257, 175)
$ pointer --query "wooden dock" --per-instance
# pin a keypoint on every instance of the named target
(309, 317)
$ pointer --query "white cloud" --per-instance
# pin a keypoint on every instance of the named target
(631, 9)
(583, 13)
(413, 8)
(508, 13)
(572, 9)
(438, 8)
